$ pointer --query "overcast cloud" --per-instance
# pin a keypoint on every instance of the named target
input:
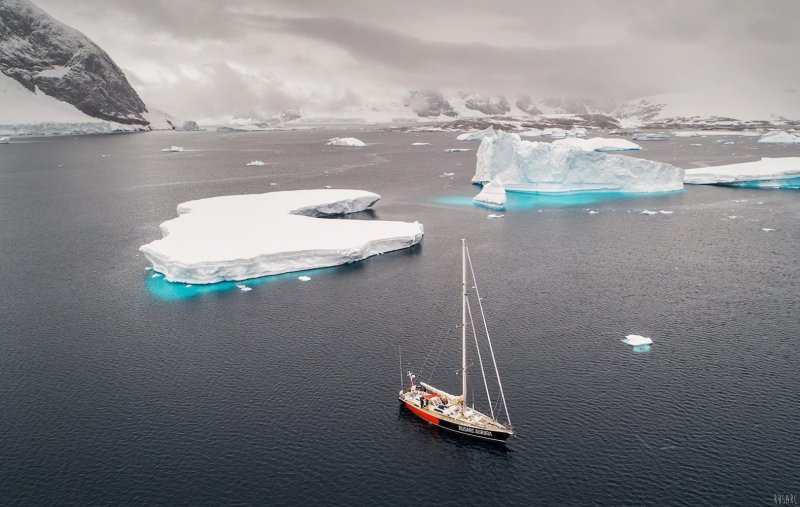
(212, 58)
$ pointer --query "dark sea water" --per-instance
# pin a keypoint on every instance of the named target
(119, 388)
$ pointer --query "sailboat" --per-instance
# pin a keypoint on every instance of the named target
(449, 411)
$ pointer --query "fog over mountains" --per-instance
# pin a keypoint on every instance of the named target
(271, 60)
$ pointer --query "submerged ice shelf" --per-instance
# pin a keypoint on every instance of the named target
(238, 237)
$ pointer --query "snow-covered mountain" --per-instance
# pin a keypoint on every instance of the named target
(67, 77)
(754, 108)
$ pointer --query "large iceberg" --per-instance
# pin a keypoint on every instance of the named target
(598, 144)
(237, 237)
(526, 166)
(477, 135)
(493, 195)
(764, 173)
(780, 137)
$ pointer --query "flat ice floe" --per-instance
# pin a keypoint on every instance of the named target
(174, 149)
(780, 137)
(767, 173)
(237, 237)
(476, 136)
(538, 167)
(255, 163)
(346, 141)
(598, 144)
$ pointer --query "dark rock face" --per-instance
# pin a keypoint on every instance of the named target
(485, 104)
(429, 103)
(32, 42)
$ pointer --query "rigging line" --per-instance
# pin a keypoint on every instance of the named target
(443, 330)
(488, 338)
(480, 360)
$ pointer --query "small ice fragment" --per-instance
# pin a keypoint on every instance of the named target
(5, 140)
(695, 144)
(304, 278)
(188, 285)
(637, 340)
(495, 216)
(173, 149)
(648, 212)
(420, 144)
(447, 175)
(273, 184)
(255, 163)
(593, 212)
(155, 275)
(243, 288)
(148, 268)
(346, 141)
(665, 212)
(327, 186)
(767, 229)
(456, 150)
(732, 216)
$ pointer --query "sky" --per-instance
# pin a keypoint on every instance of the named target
(204, 59)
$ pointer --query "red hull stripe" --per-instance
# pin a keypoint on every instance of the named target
(424, 415)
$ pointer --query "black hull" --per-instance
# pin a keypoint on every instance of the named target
(492, 436)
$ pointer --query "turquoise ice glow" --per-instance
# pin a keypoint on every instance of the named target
(784, 183)
(160, 288)
(525, 201)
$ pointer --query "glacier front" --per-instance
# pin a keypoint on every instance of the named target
(765, 173)
(538, 167)
(237, 237)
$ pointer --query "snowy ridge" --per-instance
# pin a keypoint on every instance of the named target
(46, 57)
(247, 236)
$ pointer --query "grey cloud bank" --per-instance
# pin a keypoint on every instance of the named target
(212, 58)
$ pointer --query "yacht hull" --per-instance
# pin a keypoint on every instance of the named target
(484, 434)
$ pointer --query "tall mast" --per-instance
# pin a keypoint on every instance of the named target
(463, 324)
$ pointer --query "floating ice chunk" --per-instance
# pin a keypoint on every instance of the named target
(174, 149)
(539, 167)
(447, 175)
(5, 140)
(456, 150)
(494, 216)
(598, 144)
(304, 278)
(767, 173)
(477, 135)
(346, 141)
(593, 212)
(695, 144)
(420, 144)
(648, 212)
(780, 137)
(732, 217)
(493, 195)
(637, 340)
(531, 133)
(643, 136)
(273, 184)
(237, 237)
(686, 134)
(188, 285)
(665, 212)
(244, 288)
(255, 163)
(155, 275)
(767, 229)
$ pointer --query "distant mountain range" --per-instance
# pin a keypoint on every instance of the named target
(54, 79)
